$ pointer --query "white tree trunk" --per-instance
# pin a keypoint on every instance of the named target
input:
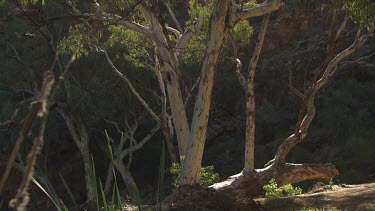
(220, 24)
(250, 101)
(171, 71)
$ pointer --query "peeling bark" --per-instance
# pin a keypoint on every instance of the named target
(168, 135)
(220, 24)
(170, 66)
(250, 100)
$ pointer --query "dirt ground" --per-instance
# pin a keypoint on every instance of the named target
(321, 198)
(338, 197)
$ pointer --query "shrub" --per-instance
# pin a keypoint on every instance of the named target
(207, 175)
(272, 190)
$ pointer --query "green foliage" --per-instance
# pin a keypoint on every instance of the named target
(78, 41)
(194, 51)
(272, 190)
(132, 46)
(331, 183)
(362, 12)
(242, 33)
(25, 2)
(106, 204)
(207, 174)
(175, 170)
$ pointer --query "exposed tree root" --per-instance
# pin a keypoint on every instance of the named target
(283, 174)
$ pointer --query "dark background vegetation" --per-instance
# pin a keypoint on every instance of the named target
(342, 133)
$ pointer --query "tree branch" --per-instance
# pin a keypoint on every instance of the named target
(127, 81)
(184, 39)
(294, 90)
(171, 13)
(258, 10)
(294, 139)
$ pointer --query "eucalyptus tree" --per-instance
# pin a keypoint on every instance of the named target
(212, 21)
(171, 43)
(223, 16)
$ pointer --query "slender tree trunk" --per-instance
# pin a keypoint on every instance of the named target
(108, 180)
(80, 136)
(171, 70)
(250, 101)
(220, 24)
(288, 173)
(180, 121)
(131, 186)
(164, 118)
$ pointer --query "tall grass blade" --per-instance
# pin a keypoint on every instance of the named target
(109, 145)
(76, 207)
(119, 200)
(103, 195)
(116, 191)
(95, 184)
(113, 198)
(138, 201)
(64, 206)
(21, 169)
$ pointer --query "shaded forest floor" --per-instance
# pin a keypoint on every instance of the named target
(324, 198)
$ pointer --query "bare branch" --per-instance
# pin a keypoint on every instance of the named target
(339, 31)
(171, 13)
(127, 81)
(20, 201)
(188, 34)
(191, 90)
(258, 9)
(35, 110)
(7, 123)
(102, 16)
(139, 145)
(294, 90)
(294, 139)
(174, 31)
(119, 20)
(258, 45)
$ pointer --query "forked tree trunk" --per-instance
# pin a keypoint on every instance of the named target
(164, 119)
(286, 173)
(171, 70)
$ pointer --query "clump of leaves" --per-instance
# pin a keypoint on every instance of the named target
(207, 174)
(272, 190)
(78, 41)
